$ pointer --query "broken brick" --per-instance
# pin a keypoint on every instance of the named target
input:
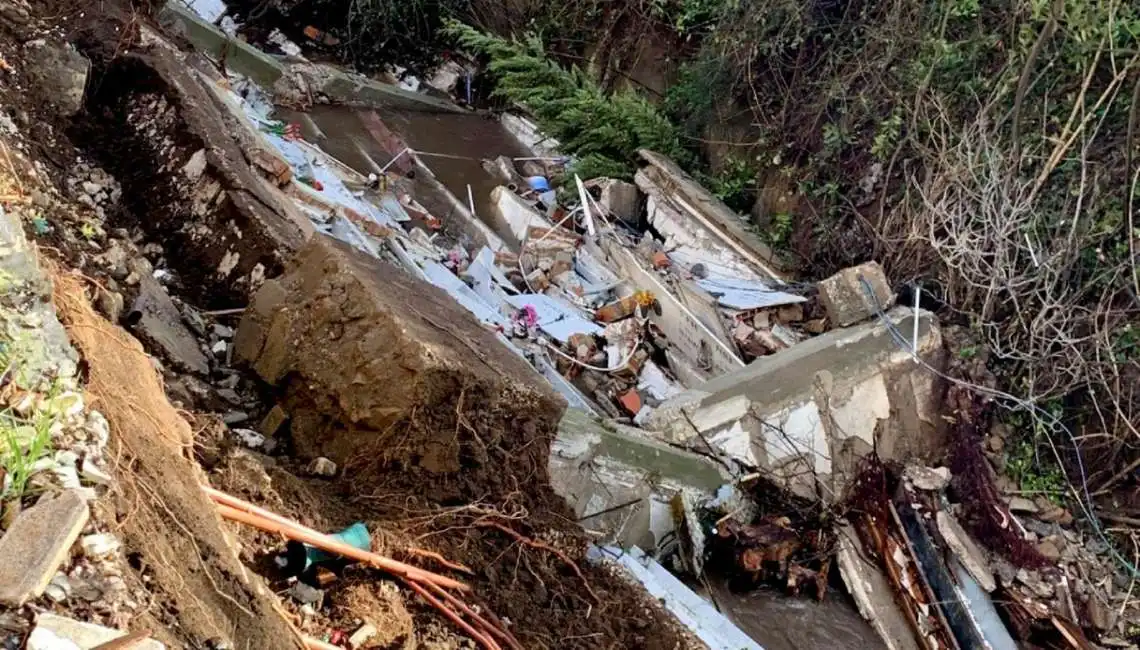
(630, 401)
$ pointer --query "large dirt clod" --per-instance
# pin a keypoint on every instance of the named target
(377, 370)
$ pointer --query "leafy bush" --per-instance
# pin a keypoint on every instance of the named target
(602, 132)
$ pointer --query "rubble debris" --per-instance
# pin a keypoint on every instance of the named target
(273, 421)
(969, 555)
(99, 545)
(37, 543)
(322, 466)
(307, 595)
(54, 632)
(362, 635)
(845, 298)
(158, 322)
(618, 198)
(927, 478)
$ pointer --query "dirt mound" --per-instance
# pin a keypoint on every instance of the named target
(379, 371)
(171, 530)
(443, 436)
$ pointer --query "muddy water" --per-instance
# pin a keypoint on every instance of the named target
(779, 622)
(462, 139)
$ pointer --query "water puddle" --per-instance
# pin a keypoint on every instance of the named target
(462, 141)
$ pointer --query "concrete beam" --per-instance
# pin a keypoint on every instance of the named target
(808, 414)
(597, 465)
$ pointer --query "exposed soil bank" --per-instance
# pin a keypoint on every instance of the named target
(382, 371)
(188, 175)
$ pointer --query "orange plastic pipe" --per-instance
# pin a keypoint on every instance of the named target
(326, 543)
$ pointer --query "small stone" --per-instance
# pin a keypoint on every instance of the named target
(1023, 505)
(95, 474)
(99, 545)
(929, 479)
(1048, 549)
(230, 395)
(37, 544)
(140, 266)
(98, 428)
(92, 188)
(67, 476)
(1054, 513)
(219, 347)
(273, 420)
(362, 635)
(221, 331)
(816, 326)
(995, 444)
(1036, 584)
(59, 589)
(249, 438)
(110, 304)
(1097, 613)
(305, 594)
(322, 466)
(235, 417)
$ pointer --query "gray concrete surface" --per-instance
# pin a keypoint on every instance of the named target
(598, 465)
(807, 415)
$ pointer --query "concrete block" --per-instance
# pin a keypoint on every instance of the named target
(845, 298)
(37, 544)
(84, 636)
(622, 200)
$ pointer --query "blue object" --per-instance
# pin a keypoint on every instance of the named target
(538, 183)
(301, 557)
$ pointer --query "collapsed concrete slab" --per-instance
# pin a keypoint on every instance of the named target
(806, 416)
(377, 369)
(688, 215)
(620, 482)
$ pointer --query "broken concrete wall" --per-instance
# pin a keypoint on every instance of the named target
(706, 349)
(622, 481)
(683, 210)
(192, 174)
(381, 370)
(807, 415)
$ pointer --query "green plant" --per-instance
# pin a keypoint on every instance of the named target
(887, 136)
(23, 442)
(1036, 474)
(735, 183)
(602, 132)
(780, 229)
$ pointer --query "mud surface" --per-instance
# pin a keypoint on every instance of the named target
(464, 139)
(379, 370)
